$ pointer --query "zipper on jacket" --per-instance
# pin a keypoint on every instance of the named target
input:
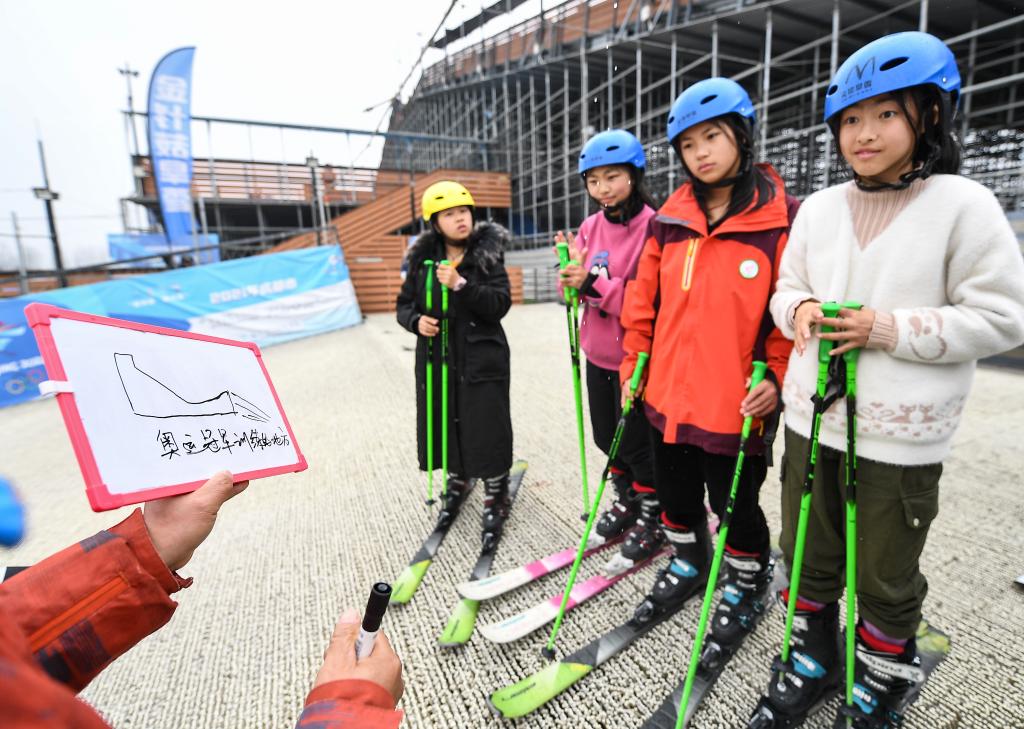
(92, 602)
(691, 260)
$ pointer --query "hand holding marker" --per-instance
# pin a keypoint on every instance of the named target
(376, 606)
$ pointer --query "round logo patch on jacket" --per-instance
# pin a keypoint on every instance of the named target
(749, 268)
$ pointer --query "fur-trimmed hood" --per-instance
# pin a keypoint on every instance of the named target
(485, 250)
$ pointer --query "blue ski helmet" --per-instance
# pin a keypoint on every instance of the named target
(612, 147)
(706, 100)
(891, 63)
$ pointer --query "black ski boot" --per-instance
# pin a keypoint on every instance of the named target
(880, 686)
(622, 514)
(744, 596)
(643, 540)
(685, 574)
(496, 508)
(812, 673)
(451, 500)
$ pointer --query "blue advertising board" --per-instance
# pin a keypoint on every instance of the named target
(125, 246)
(262, 299)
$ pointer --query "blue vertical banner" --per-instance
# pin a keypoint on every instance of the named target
(169, 130)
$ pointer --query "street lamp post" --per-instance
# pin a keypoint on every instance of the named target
(48, 196)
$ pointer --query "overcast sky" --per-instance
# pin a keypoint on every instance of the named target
(303, 61)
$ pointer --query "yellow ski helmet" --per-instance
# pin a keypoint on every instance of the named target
(444, 195)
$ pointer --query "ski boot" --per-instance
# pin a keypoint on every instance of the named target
(451, 501)
(622, 514)
(881, 682)
(496, 508)
(741, 607)
(685, 574)
(811, 675)
(643, 540)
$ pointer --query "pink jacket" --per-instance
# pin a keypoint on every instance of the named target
(613, 251)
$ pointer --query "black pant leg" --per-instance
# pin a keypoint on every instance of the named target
(678, 481)
(603, 396)
(748, 531)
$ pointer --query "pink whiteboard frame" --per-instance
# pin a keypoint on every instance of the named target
(39, 317)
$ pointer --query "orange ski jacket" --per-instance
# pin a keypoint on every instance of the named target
(65, 619)
(699, 306)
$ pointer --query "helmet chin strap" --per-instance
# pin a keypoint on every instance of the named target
(622, 211)
(746, 163)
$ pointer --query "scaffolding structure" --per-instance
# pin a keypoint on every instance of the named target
(535, 92)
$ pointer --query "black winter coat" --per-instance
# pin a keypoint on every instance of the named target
(480, 422)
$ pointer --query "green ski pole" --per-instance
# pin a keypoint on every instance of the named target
(548, 651)
(723, 531)
(572, 321)
(850, 479)
(429, 264)
(823, 399)
(444, 386)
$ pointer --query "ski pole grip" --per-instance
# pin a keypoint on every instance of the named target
(831, 310)
(757, 376)
(638, 372)
(563, 260)
(634, 381)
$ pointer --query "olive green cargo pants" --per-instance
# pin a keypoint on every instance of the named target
(895, 507)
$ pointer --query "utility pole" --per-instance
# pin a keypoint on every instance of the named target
(129, 73)
(22, 266)
(48, 196)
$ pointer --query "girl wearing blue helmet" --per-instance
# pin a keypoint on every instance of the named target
(699, 306)
(604, 253)
(930, 256)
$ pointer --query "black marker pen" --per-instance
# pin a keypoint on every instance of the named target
(376, 606)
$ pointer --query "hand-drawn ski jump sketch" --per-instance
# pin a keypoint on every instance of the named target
(150, 398)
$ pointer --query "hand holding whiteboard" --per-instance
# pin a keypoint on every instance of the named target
(153, 412)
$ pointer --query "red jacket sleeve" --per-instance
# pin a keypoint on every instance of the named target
(83, 607)
(639, 307)
(349, 704)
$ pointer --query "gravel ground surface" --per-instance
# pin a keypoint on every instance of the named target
(293, 551)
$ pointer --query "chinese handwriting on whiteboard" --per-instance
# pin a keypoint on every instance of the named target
(210, 440)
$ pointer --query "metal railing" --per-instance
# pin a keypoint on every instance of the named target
(14, 284)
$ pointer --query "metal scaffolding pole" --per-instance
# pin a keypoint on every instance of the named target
(812, 142)
(923, 23)
(714, 47)
(832, 65)
(639, 88)
(534, 163)
(972, 54)
(547, 151)
(766, 75)
(611, 90)
(565, 146)
(584, 91)
(519, 155)
(673, 63)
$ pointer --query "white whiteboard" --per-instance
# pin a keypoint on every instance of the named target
(159, 409)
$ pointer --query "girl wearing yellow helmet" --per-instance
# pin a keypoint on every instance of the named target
(480, 427)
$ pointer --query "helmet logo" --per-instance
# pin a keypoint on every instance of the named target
(851, 89)
(859, 70)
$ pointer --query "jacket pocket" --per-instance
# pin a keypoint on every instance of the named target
(487, 357)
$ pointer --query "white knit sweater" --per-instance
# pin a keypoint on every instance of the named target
(949, 270)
